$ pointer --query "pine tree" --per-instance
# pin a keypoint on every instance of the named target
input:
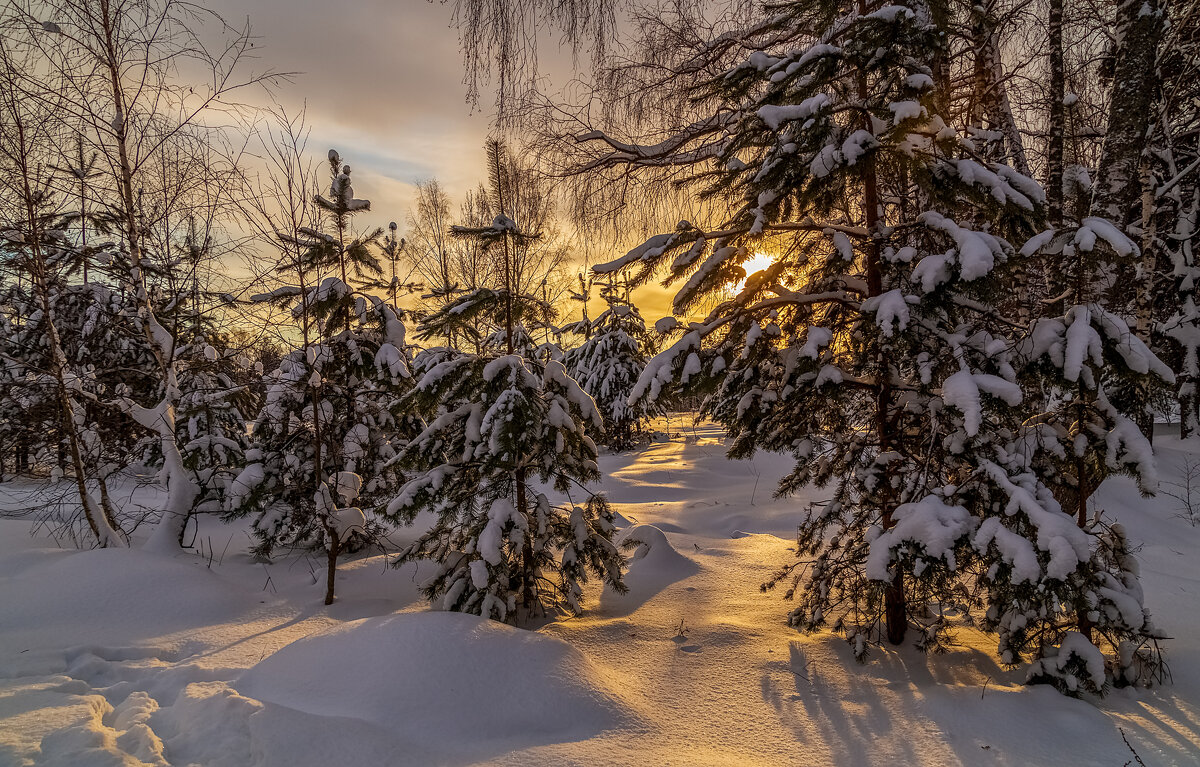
(1092, 371)
(609, 362)
(868, 349)
(212, 421)
(49, 380)
(876, 347)
(500, 425)
(107, 358)
(1171, 219)
(327, 433)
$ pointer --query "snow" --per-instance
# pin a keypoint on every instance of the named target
(890, 13)
(890, 309)
(962, 389)
(654, 564)
(1081, 342)
(815, 339)
(930, 525)
(647, 251)
(1074, 645)
(465, 682)
(906, 110)
(977, 251)
(1104, 229)
(130, 657)
(857, 144)
(775, 116)
(500, 515)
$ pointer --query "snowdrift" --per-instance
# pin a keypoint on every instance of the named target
(113, 595)
(653, 565)
(442, 678)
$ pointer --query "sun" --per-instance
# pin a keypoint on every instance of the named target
(757, 263)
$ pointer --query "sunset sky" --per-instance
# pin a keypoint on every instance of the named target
(382, 82)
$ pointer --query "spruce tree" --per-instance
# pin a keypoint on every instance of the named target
(330, 424)
(503, 424)
(877, 347)
(212, 419)
(609, 362)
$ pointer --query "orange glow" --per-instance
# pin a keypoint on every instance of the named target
(757, 263)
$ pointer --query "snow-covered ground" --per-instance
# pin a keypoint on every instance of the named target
(124, 657)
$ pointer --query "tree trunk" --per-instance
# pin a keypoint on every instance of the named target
(895, 612)
(106, 505)
(181, 490)
(528, 591)
(335, 544)
(1139, 26)
(1057, 117)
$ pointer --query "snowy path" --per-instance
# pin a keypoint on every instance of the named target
(130, 658)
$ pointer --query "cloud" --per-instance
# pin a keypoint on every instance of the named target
(381, 81)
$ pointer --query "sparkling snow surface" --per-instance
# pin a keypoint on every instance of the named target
(124, 657)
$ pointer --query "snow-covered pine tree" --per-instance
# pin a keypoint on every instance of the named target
(212, 418)
(609, 362)
(1171, 220)
(328, 430)
(1101, 384)
(108, 357)
(501, 427)
(40, 378)
(1089, 365)
(480, 319)
(873, 348)
(870, 348)
(502, 424)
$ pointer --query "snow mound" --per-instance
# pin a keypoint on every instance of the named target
(653, 565)
(653, 548)
(439, 680)
(107, 595)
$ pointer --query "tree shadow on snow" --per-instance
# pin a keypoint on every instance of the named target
(906, 707)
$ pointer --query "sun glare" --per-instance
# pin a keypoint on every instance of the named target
(757, 263)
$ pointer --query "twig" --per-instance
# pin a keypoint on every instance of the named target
(1132, 750)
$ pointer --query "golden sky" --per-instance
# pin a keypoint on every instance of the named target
(381, 81)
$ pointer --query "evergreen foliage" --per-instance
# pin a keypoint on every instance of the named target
(501, 427)
(331, 420)
(501, 423)
(609, 362)
(876, 347)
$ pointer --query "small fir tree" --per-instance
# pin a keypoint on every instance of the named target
(501, 426)
(609, 362)
(327, 433)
